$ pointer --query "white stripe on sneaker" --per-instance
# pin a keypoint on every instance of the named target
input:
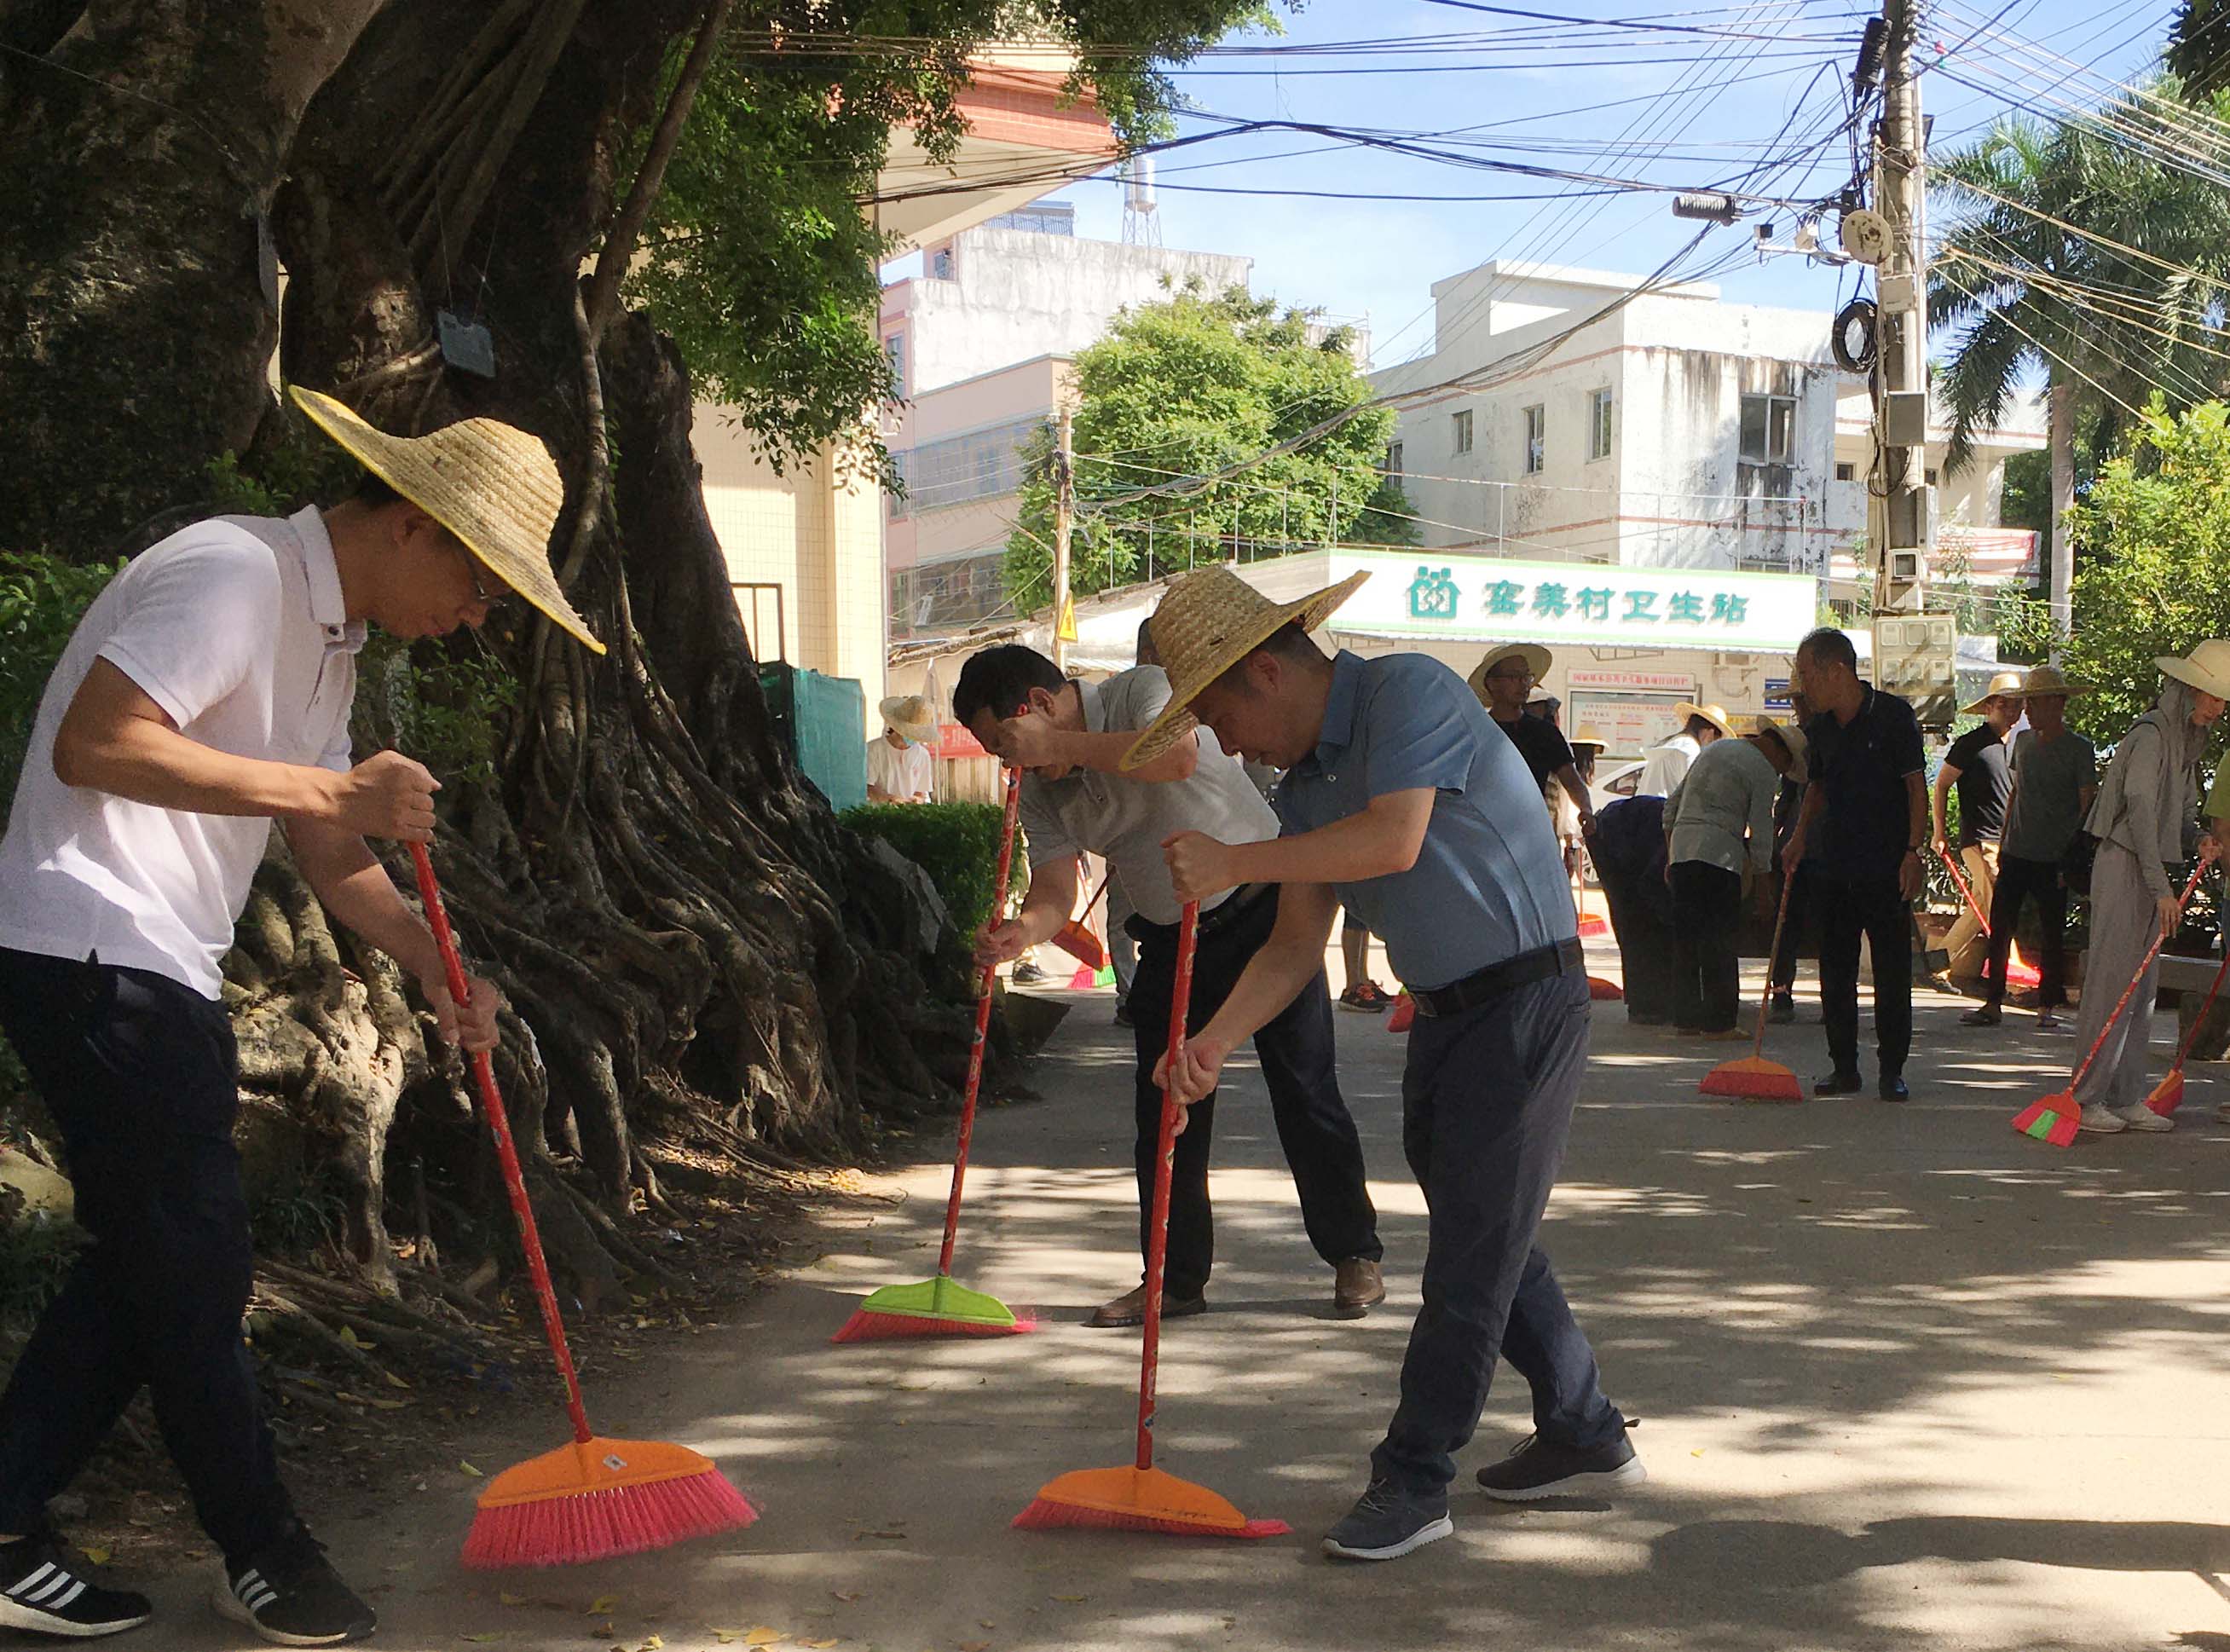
(75, 1590)
(261, 1597)
(17, 1588)
(61, 1581)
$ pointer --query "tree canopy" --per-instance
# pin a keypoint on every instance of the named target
(1183, 387)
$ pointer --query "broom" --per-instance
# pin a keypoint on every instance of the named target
(939, 1307)
(595, 1497)
(2054, 1119)
(2017, 973)
(1753, 1078)
(2168, 1094)
(1142, 1498)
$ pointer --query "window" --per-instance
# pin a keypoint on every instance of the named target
(1931, 478)
(1393, 458)
(979, 464)
(1769, 429)
(1599, 425)
(1537, 439)
(1847, 473)
(894, 352)
(1463, 431)
(940, 263)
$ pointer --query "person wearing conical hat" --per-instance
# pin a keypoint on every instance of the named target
(898, 759)
(1979, 765)
(1668, 760)
(1402, 801)
(2053, 776)
(205, 694)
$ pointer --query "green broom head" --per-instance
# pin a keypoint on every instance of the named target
(2051, 1120)
(935, 1308)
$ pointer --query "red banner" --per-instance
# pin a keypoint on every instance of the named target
(955, 740)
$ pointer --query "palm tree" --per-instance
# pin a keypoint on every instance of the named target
(2076, 251)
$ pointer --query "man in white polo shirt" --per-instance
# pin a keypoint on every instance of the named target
(205, 694)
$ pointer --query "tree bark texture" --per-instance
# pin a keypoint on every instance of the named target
(688, 941)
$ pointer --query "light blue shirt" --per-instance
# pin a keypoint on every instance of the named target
(1489, 882)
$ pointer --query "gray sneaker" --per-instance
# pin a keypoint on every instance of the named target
(1387, 1522)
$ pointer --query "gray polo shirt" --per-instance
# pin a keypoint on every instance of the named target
(2047, 799)
(1727, 793)
(1125, 820)
(1489, 881)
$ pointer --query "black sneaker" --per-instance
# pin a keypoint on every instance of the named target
(1027, 974)
(1784, 1009)
(1123, 1017)
(1537, 1468)
(1387, 1522)
(43, 1587)
(1839, 1084)
(291, 1596)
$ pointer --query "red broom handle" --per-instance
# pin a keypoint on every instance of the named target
(1772, 953)
(498, 1122)
(1951, 865)
(2129, 991)
(1157, 1230)
(2183, 1050)
(983, 1024)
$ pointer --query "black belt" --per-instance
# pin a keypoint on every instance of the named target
(1485, 985)
(1241, 899)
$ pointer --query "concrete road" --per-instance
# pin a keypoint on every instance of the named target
(1908, 1379)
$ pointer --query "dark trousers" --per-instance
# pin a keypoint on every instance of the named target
(1877, 909)
(140, 1073)
(1707, 918)
(1314, 1126)
(1804, 913)
(1486, 1101)
(1642, 920)
(2037, 880)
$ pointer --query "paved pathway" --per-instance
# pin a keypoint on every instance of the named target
(1908, 1378)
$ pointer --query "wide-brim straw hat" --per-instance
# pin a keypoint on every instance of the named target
(492, 485)
(1792, 737)
(1210, 620)
(1715, 716)
(911, 716)
(1588, 738)
(2045, 681)
(2006, 684)
(1537, 660)
(2206, 668)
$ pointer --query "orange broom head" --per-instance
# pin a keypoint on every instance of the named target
(597, 1498)
(2168, 1094)
(934, 1307)
(1080, 943)
(2019, 971)
(2052, 1120)
(1593, 923)
(1139, 1499)
(1752, 1078)
(1402, 1015)
(1604, 992)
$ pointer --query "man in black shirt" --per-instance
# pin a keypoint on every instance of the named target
(1504, 682)
(1977, 764)
(1868, 773)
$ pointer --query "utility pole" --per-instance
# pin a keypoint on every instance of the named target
(1064, 520)
(1914, 652)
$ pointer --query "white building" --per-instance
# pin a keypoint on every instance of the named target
(982, 340)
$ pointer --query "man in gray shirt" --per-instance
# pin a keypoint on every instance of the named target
(2055, 775)
(1069, 738)
(1718, 830)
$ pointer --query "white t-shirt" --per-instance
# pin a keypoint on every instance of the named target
(1666, 766)
(904, 774)
(235, 628)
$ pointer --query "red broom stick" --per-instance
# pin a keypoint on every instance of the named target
(598, 1497)
(1166, 1147)
(2046, 1114)
(982, 1024)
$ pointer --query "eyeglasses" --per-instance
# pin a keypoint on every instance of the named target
(1519, 675)
(473, 572)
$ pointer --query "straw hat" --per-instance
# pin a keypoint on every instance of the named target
(2044, 680)
(911, 716)
(491, 484)
(1715, 716)
(2206, 668)
(1210, 620)
(2007, 683)
(1792, 737)
(1537, 660)
(1587, 737)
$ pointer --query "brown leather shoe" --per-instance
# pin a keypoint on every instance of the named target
(1358, 1287)
(1130, 1309)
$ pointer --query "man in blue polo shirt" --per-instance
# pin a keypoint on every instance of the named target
(1401, 803)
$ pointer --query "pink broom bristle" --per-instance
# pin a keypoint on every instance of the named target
(591, 1526)
(1045, 1515)
(863, 1326)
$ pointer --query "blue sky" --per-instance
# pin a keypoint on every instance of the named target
(1716, 112)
